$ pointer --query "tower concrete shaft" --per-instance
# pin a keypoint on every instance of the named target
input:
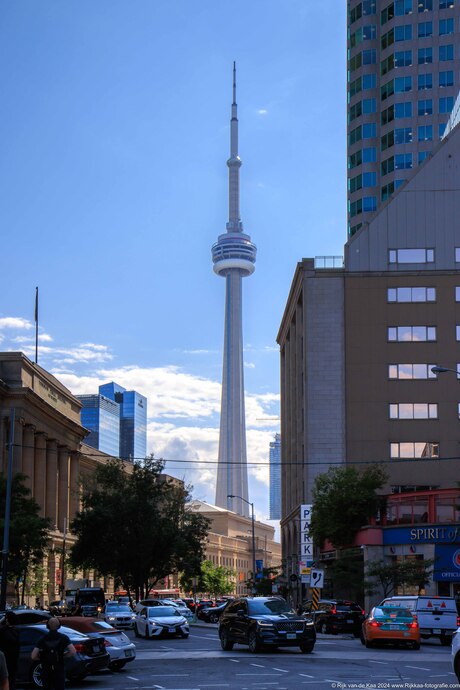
(233, 256)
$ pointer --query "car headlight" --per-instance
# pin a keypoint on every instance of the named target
(112, 618)
(309, 621)
(264, 624)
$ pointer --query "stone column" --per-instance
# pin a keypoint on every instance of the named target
(28, 455)
(63, 487)
(74, 487)
(40, 472)
(18, 441)
(51, 481)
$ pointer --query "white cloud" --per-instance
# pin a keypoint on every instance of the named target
(249, 365)
(15, 322)
(262, 111)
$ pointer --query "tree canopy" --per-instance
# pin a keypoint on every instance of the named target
(136, 526)
(29, 532)
(212, 579)
(387, 576)
(343, 501)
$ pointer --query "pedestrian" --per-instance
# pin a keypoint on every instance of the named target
(77, 610)
(51, 650)
(9, 645)
(4, 684)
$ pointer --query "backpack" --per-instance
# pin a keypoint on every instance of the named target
(51, 651)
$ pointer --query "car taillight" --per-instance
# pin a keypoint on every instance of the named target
(363, 613)
(333, 610)
(80, 647)
(414, 624)
(458, 621)
(375, 624)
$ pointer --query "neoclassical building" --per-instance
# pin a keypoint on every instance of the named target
(48, 448)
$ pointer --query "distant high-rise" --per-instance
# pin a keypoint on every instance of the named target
(275, 478)
(403, 78)
(101, 416)
(233, 256)
(125, 437)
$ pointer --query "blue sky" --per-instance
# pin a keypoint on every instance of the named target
(114, 126)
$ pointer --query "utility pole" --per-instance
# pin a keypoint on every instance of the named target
(63, 576)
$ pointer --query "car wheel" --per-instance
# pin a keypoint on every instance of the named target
(324, 628)
(361, 637)
(415, 645)
(117, 665)
(253, 642)
(457, 667)
(368, 644)
(307, 648)
(136, 631)
(36, 676)
(225, 643)
(213, 618)
(446, 640)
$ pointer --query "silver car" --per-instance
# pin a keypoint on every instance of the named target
(118, 615)
(157, 621)
(120, 648)
(456, 653)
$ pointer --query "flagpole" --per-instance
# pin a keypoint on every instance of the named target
(36, 325)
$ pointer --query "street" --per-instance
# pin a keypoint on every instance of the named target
(337, 662)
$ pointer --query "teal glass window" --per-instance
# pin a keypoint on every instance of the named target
(403, 135)
(425, 5)
(425, 107)
(369, 179)
(425, 29)
(369, 203)
(369, 154)
(387, 166)
(403, 7)
(403, 110)
(369, 81)
(402, 84)
(446, 78)
(446, 52)
(425, 133)
(446, 26)
(403, 58)
(441, 128)
(403, 33)
(425, 56)
(403, 161)
(422, 155)
(369, 130)
(446, 104)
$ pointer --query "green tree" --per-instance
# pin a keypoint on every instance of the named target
(343, 501)
(136, 526)
(263, 585)
(387, 576)
(29, 533)
(216, 580)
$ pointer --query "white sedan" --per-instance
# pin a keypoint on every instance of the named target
(154, 621)
(118, 615)
(456, 654)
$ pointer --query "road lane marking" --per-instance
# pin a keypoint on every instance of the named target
(235, 661)
(419, 668)
(282, 670)
(305, 675)
(132, 678)
(371, 661)
(258, 665)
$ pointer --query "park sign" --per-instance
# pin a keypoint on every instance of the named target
(306, 542)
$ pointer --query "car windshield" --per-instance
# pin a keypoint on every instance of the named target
(392, 612)
(161, 611)
(119, 609)
(268, 607)
(346, 606)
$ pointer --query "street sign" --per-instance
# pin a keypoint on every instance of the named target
(317, 578)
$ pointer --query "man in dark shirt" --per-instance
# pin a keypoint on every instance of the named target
(51, 650)
(9, 645)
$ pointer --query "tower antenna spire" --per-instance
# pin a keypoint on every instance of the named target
(234, 83)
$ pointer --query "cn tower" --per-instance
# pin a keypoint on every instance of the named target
(234, 257)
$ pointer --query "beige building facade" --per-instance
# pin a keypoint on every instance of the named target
(230, 543)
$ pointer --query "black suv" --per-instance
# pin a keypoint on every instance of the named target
(265, 621)
(336, 615)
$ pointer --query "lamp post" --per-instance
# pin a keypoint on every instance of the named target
(253, 538)
(442, 370)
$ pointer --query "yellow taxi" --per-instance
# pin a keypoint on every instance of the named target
(391, 624)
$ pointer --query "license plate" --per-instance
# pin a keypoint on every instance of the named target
(436, 631)
(393, 627)
(129, 652)
(172, 629)
(291, 636)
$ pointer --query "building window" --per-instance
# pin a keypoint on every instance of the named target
(403, 135)
(425, 133)
(387, 90)
(446, 78)
(369, 106)
(369, 81)
(369, 130)
(411, 372)
(410, 256)
(457, 332)
(457, 294)
(457, 254)
(402, 84)
(369, 155)
(446, 104)
(425, 5)
(402, 110)
(403, 58)
(441, 129)
(446, 26)
(387, 39)
(369, 203)
(403, 7)
(425, 29)
(355, 207)
(413, 411)
(403, 33)
(414, 450)
(369, 57)
(387, 190)
(425, 81)
(387, 65)
(446, 4)
(403, 161)
(369, 179)
(446, 53)
(411, 334)
(387, 166)
(387, 141)
(355, 183)
(422, 155)
(425, 107)
(411, 294)
(425, 56)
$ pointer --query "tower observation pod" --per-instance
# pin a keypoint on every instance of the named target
(233, 256)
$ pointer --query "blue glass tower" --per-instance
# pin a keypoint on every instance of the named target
(133, 420)
(275, 478)
(101, 416)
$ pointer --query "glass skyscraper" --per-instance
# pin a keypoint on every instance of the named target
(101, 416)
(403, 78)
(275, 478)
(124, 433)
